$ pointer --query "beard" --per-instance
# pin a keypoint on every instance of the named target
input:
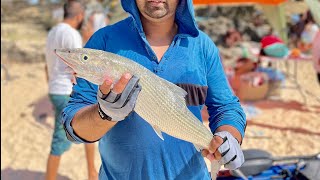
(80, 25)
(156, 12)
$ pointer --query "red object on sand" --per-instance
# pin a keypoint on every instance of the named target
(268, 40)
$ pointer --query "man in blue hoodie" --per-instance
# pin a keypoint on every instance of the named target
(162, 36)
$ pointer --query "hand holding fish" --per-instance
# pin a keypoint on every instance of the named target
(117, 103)
(226, 149)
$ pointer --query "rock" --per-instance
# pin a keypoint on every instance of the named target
(23, 42)
(217, 20)
(25, 53)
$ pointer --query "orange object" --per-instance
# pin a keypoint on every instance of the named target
(270, 2)
(295, 52)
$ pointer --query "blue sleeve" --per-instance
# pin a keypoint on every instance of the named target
(83, 94)
(223, 106)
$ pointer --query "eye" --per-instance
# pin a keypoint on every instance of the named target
(85, 57)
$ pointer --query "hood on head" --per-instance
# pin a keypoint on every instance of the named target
(184, 16)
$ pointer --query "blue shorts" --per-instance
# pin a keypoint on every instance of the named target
(59, 143)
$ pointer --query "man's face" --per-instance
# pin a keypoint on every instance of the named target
(157, 9)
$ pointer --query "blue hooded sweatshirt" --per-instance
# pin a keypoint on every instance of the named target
(131, 149)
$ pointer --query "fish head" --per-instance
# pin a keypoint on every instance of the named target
(86, 63)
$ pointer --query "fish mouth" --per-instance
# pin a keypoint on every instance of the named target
(56, 52)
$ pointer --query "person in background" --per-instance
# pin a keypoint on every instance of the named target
(243, 65)
(60, 81)
(247, 80)
(316, 54)
(96, 15)
(232, 38)
(296, 26)
(308, 34)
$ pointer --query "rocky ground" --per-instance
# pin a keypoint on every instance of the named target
(23, 34)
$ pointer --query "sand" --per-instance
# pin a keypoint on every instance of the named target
(27, 127)
(291, 125)
(284, 127)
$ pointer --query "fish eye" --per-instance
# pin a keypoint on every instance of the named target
(85, 57)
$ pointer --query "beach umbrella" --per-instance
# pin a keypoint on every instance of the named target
(273, 9)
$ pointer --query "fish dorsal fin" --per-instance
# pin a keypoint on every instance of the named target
(158, 132)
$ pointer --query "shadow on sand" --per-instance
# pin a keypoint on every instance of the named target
(11, 174)
(277, 104)
(42, 109)
(292, 129)
(288, 105)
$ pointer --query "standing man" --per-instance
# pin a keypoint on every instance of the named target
(161, 35)
(64, 35)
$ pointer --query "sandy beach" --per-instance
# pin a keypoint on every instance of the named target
(290, 125)
(27, 126)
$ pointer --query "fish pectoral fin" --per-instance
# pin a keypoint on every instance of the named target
(158, 132)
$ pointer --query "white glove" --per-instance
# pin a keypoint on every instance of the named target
(116, 107)
(230, 150)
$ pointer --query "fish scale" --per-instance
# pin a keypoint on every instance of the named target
(160, 103)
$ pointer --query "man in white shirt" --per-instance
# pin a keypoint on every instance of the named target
(60, 80)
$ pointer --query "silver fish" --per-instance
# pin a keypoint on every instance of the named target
(160, 102)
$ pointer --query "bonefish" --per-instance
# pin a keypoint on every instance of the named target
(160, 102)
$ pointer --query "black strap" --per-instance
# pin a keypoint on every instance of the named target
(103, 115)
(70, 138)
